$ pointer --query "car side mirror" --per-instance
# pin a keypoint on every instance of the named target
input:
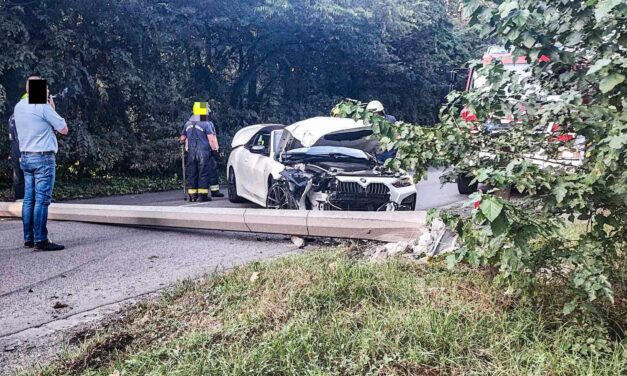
(258, 149)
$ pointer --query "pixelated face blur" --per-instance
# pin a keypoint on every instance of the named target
(37, 91)
(202, 110)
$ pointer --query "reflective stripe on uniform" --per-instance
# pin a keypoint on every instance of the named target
(203, 191)
(214, 188)
(192, 191)
(194, 126)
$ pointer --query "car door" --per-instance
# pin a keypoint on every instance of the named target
(254, 167)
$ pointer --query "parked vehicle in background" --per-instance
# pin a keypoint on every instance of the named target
(322, 163)
(571, 154)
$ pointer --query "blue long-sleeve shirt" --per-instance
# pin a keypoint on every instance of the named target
(35, 124)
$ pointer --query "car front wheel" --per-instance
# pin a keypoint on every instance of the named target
(233, 197)
(279, 197)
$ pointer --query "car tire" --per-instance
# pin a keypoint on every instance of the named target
(463, 184)
(280, 197)
(233, 197)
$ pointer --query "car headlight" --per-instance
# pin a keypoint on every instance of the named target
(403, 182)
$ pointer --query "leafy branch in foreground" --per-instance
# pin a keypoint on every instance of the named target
(414, 143)
(577, 68)
(566, 86)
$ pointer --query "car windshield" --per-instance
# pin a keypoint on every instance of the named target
(328, 153)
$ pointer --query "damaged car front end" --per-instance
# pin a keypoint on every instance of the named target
(336, 170)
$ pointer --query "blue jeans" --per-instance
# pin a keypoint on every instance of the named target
(39, 173)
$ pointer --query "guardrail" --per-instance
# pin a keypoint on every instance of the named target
(382, 226)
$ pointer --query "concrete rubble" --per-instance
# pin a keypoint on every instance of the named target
(435, 241)
(298, 241)
(394, 249)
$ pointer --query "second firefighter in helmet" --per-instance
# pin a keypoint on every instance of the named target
(377, 108)
(199, 134)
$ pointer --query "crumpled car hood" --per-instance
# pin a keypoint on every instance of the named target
(328, 131)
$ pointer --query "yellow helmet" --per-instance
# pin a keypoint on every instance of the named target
(201, 108)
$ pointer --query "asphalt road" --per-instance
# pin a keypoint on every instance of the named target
(44, 293)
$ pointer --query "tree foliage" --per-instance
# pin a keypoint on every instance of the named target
(570, 223)
(137, 66)
(586, 46)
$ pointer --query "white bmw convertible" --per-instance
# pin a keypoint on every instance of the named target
(321, 163)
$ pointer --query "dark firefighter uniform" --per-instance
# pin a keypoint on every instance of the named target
(198, 157)
(14, 160)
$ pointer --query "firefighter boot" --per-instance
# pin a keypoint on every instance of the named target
(217, 193)
(204, 198)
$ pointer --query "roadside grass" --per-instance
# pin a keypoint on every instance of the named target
(325, 313)
(70, 189)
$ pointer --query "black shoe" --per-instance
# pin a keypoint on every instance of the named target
(29, 244)
(48, 246)
(193, 198)
(204, 198)
(217, 194)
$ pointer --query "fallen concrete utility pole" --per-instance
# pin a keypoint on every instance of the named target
(382, 226)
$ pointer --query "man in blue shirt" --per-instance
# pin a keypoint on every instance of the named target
(35, 125)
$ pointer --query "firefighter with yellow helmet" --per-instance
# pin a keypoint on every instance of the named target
(200, 136)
